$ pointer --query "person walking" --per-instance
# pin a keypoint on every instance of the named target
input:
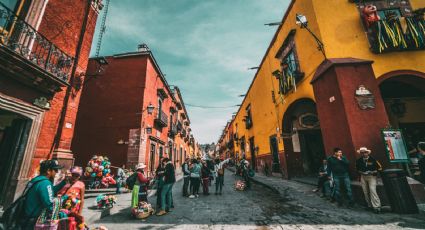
(205, 175)
(120, 179)
(195, 180)
(244, 164)
(40, 193)
(167, 189)
(186, 176)
(140, 189)
(338, 167)
(368, 168)
(159, 175)
(219, 175)
(73, 196)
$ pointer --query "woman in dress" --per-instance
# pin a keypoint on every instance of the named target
(140, 189)
(73, 196)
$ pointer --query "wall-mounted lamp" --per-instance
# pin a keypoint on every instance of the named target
(150, 108)
(120, 142)
(302, 21)
(149, 130)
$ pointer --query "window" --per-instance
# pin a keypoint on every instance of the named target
(9, 8)
(392, 26)
(248, 118)
(290, 74)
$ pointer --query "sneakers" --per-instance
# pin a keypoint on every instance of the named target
(197, 195)
(377, 210)
(161, 213)
(191, 196)
(315, 190)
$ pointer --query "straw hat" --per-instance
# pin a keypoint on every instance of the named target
(140, 166)
(363, 149)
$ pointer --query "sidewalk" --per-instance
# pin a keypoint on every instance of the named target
(92, 214)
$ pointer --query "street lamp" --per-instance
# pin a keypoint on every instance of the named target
(302, 21)
(150, 108)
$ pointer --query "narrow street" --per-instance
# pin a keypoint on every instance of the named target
(258, 208)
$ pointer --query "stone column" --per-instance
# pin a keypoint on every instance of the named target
(343, 121)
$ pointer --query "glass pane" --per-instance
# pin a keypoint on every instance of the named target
(11, 4)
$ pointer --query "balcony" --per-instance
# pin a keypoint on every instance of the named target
(30, 56)
(248, 122)
(161, 120)
(183, 133)
(179, 126)
(173, 130)
(397, 34)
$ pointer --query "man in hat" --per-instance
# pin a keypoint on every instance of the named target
(368, 168)
(41, 193)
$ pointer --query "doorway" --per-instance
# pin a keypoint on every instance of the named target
(404, 100)
(14, 133)
(274, 148)
(312, 150)
(252, 150)
(152, 158)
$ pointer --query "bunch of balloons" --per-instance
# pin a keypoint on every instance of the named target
(98, 167)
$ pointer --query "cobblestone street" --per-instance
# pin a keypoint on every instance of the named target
(258, 208)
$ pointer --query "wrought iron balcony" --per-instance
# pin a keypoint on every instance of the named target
(20, 38)
(179, 126)
(173, 130)
(162, 119)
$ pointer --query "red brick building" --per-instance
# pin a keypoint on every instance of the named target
(44, 49)
(128, 113)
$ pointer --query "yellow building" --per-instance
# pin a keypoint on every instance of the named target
(301, 104)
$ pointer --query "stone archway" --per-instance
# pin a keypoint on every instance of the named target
(303, 141)
(403, 93)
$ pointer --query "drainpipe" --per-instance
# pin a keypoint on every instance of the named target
(71, 80)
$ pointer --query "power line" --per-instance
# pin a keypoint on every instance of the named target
(102, 29)
(210, 107)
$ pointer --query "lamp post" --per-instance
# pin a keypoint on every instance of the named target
(301, 21)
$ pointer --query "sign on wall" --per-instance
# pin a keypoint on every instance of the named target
(395, 145)
(365, 99)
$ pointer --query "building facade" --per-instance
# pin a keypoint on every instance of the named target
(130, 114)
(302, 102)
(44, 49)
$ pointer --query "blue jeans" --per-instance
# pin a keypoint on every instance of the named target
(345, 180)
(119, 185)
(219, 180)
(166, 196)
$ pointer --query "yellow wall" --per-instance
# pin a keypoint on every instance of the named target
(345, 37)
(338, 24)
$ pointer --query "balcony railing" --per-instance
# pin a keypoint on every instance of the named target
(173, 130)
(162, 119)
(21, 38)
(387, 35)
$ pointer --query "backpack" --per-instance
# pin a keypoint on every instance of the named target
(15, 213)
(131, 181)
(220, 171)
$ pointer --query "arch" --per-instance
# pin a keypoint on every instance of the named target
(304, 148)
(287, 120)
(398, 73)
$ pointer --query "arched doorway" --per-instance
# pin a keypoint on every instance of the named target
(303, 142)
(403, 93)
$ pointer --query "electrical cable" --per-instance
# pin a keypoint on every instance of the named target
(210, 107)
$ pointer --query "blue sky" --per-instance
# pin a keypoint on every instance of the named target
(203, 47)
